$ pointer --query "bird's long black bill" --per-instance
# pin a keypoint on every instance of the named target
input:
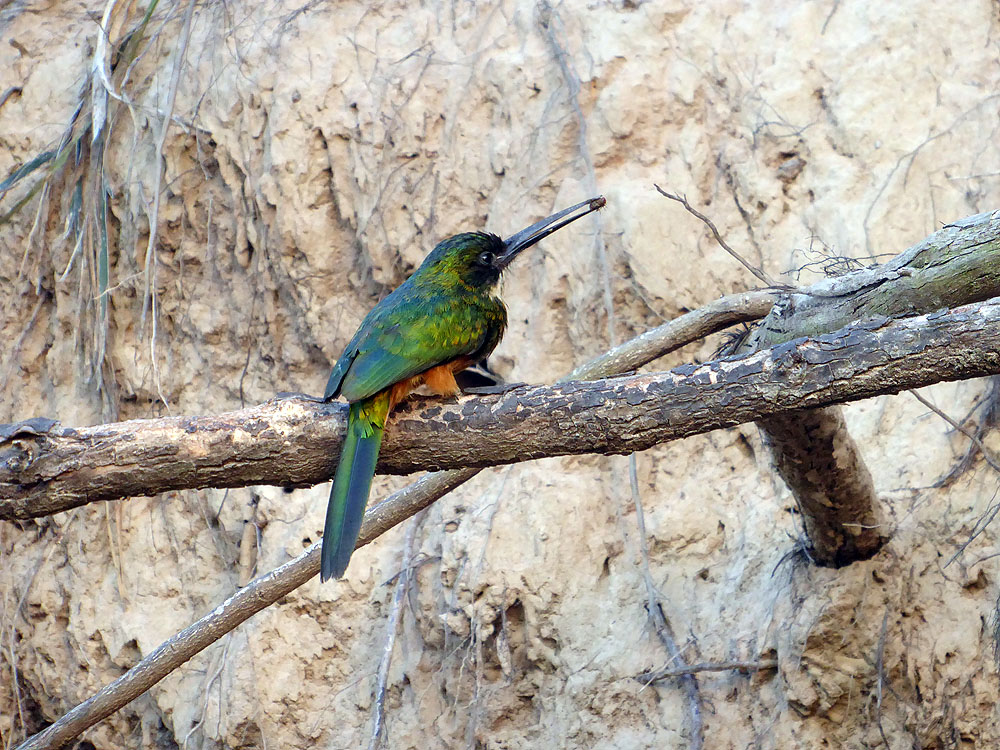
(542, 229)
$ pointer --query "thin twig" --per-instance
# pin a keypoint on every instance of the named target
(988, 456)
(758, 272)
(382, 678)
(648, 678)
(982, 524)
(987, 518)
(988, 406)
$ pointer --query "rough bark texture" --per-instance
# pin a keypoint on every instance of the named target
(290, 441)
(813, 451)
(956, 265)
(822, 466)
(317, 153)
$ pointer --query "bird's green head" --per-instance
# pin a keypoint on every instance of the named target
(476, 259)
(470, 258)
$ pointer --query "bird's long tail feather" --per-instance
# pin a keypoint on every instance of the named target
(352, 482)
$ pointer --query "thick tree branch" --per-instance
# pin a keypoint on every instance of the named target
(46, 469)
(957, 265)
(818, 459)
(813, 450)
(292, 440)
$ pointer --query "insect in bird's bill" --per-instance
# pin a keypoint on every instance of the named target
(447, 316)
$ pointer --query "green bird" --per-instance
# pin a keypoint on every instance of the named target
(447, 316)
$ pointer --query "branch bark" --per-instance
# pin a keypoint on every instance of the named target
(813, 450)
(693, 326)
(957, 265)
(45, 468)
(817, 458)
(292, 440)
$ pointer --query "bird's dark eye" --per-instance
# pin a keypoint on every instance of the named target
(486, 258)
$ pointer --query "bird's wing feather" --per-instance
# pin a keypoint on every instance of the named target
(337, 376)
(393, 349)
(343, 365)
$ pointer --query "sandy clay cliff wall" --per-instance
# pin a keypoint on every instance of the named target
(316, 153)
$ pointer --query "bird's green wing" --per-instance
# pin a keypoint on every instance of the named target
(343, 365)
(407, 339)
